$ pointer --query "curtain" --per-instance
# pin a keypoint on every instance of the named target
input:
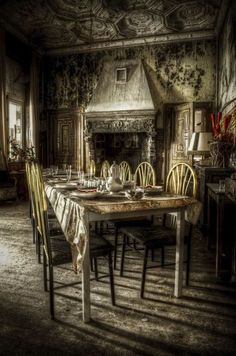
(34, 103)
(3, 129)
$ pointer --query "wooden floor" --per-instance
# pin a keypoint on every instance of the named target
(202, 322)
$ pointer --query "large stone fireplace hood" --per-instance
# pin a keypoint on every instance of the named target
(122, 100)
(122, 103)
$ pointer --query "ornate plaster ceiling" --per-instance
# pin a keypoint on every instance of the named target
(67, 25)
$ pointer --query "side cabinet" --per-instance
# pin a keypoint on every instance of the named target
(209, 175)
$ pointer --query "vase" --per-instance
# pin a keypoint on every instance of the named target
(220, 152)
(114, 183)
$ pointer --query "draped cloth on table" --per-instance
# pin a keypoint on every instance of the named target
(71, 215)
(71, 219)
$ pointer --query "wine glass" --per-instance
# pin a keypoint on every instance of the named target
(68, 172)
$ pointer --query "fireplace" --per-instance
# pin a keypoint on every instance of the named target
(120, 121)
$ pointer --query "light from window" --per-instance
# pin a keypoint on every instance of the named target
(15, 122)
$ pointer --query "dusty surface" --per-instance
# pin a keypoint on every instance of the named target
(202, 322)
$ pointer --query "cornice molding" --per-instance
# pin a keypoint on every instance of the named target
(134, 42)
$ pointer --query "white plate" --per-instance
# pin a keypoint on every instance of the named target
(85, 195)
(69, 185)
(154, 190)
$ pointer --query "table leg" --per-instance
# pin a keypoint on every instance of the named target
(179, 257)
(219, 233)
(86, 279)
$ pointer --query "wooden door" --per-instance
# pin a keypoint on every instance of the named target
(178, 128)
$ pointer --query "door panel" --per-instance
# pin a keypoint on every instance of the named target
(178, 126)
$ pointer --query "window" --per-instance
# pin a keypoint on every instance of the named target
(15, 121)
(121, 75)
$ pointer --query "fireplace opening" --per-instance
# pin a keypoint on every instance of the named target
(128, 146)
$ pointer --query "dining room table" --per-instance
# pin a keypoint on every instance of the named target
(76, 212)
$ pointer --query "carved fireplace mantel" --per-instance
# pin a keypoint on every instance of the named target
(120, 122)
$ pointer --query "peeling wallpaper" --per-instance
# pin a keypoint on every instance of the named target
(176, 72)
(227, 60)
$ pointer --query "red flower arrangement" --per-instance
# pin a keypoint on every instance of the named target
(222, 127)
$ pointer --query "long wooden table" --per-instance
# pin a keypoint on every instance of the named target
(110, 209)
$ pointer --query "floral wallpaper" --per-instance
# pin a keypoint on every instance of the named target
(227, 59)
(177, 72)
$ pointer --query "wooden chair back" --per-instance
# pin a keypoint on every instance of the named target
(105, 169)
(41, 207)
(125, 171)
(92, 167)
(145, 175)
(182, 180)
(28, 172)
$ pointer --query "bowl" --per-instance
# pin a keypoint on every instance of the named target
(134, 194)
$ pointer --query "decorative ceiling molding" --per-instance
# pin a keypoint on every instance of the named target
(67, 26)
(133, 42)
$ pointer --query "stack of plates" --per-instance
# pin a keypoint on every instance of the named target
(153, 190)
(86, 193)
(68, 185)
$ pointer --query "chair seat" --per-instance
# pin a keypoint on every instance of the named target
(129, 223)
(153, 236)
(99, 246)
(61, 251)
(54, 227)
(8, 184)
(8, 193)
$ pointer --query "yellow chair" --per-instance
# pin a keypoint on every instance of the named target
(56, 250)
(105, 168)
(92, 167)
(144, 175)
(125, 171)
(181, 180)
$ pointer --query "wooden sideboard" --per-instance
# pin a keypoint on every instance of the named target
(222, 231)
(209, 174)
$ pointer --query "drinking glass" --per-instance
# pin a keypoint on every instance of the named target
(80, 176)
(101, 184)
(133, 183)
(68, 173)
(222, 185)
(54, 170)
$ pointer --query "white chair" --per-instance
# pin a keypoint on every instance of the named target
(145, 175)
(105, 169)
(125, 172)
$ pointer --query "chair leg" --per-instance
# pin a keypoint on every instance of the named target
(111, 279)
(162, 256)
(101, 228)
(115, 247)
(34, 229)
(30, 210)
(51, 291)
(45, 271)
(153, 254)
(123, 255)
(188, 261)
(91, 264)
(95, 268)
(144, 271)
(38, 246)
